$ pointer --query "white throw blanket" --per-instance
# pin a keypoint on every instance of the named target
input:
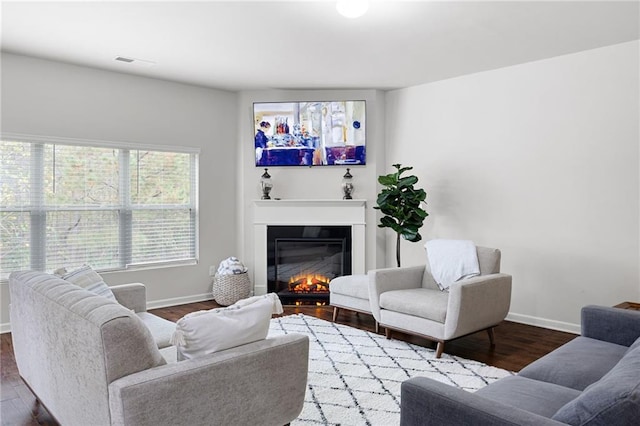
(452, 260)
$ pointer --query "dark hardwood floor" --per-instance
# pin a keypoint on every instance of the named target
(517, 345)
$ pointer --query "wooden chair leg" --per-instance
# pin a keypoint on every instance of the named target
(492, 339)
(439, 349)
(335, 313)
(387, 333)
(377, 327)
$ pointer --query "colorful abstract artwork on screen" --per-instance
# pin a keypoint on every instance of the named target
(310, 133)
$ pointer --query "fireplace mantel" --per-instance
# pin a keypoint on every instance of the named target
(309, 213)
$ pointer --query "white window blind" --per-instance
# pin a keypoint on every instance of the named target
(111, 207)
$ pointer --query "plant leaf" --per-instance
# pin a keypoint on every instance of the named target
(407, 182)
(401, 204)
(387, 180)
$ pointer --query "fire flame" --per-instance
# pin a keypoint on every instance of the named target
(309, 283)
(299, 303)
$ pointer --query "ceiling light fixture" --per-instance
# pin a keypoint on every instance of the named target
(352, 8)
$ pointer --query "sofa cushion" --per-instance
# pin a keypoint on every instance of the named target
(530, 395)
(170, 354)
(489, 260)
(205, 332)
(90, 280)
(420, 302)
(615, 325)
(160, 328)
(351, 285)
(128, 346)
(634, 345)
(576, 364)
(614, 399)
(428, 281)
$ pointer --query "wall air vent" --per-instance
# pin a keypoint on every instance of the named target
(135, 61)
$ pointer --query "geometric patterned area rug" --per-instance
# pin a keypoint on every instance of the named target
(355, 375)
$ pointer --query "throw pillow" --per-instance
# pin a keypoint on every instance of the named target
(205, 332)
(90, 280)
(273, 297)
(614, 399)
(634, 345)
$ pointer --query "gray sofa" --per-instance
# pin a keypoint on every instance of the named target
(591, 380)
(91, 361)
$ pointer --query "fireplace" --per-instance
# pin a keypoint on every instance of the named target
(302, 260)
(308, 214)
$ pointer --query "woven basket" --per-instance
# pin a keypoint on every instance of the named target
(228, 289)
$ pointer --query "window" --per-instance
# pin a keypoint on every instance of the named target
(112, 207)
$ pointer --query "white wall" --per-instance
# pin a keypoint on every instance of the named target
(310, 182)
(540, 160)
(48, 98)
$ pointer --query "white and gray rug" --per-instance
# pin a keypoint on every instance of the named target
(355, 376)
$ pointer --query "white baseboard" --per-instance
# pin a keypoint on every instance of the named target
(163, 303)
(154, 304)
(544, 323)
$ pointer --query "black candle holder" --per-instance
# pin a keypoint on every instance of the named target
(347, 186)
(266, 184)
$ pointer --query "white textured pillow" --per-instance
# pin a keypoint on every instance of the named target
(90, 280)
(273, 297)
(205, 332)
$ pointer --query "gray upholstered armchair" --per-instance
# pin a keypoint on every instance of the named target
(408, 299)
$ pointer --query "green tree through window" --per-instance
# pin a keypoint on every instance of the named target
(66, 205)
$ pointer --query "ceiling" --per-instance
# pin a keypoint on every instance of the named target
(241, 45)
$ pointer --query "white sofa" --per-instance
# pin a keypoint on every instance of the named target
(91, 361)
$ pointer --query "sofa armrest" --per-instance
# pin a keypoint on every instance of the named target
(477, 303)
(428, 402)
(614, 325)
(132, 296)
(381, 280)
(259, 383)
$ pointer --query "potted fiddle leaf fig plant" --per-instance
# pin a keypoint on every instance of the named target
(400, 203)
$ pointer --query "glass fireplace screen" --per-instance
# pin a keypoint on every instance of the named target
(302, 260)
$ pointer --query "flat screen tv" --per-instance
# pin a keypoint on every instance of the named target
(310, 133)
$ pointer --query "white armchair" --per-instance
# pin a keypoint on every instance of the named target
(409, 300)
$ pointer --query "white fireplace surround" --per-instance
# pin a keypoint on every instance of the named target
(306, 213)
